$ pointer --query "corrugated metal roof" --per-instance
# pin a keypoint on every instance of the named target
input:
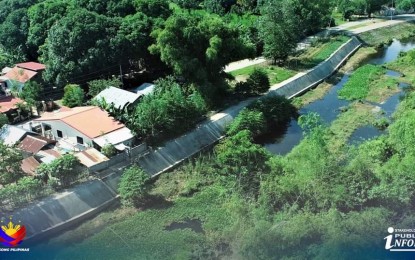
(91, 157)
(33, 144)
(29, 165)
(119, 97)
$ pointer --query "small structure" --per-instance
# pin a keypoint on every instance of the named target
(119, 98)
(8, 106)
(91, 157)
(144, 89)
(10, 135)
(33, 144)
(79, 127)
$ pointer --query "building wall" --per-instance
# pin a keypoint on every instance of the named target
(67, 131)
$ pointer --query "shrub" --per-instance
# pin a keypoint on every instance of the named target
(109, 150)
(133, 186)
(73, 96)
(276, 109)
(257, 83)
(3, 120)
(251, 120)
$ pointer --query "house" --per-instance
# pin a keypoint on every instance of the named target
(119, 98)
(144, 89)
(22, 73)
(11, 135)
(9, 107)
(81, 127)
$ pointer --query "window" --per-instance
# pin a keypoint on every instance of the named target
(80, 140)
(59, 132)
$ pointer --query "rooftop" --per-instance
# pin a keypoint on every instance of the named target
(34, 66)
(116, 137)
(29, 165)
(10, 135)
(144, 89)
(8, 103)
(91, 121)
(119, 97)
(33, 144)
(91, 157)
(19, 74)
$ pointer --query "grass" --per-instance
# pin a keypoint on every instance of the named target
(405, 66)
(276, 74)
(357, 115)
(363, 54)
(312, 95)
(358, 85)
(127, 233)
(338, 18)
(320, 51)
(386, 34)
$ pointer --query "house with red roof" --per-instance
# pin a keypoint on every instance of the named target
(22, 73)
(81, 127)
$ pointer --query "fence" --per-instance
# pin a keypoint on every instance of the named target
(135, 151)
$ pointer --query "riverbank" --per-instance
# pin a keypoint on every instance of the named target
(376, 41)
(226, 205)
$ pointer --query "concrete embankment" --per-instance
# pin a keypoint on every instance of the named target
(177, 150)
(71, 207)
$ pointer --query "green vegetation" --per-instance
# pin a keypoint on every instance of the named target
(109, 150)
(3, 120)
(275, 74)
(357, 86)
(256, 84)
(320, 51)
(168, 111)
(74, 96)
(385, 35)
(133, 186)
(98, 85)
(10, 170)
(64, 170)
(251, 120)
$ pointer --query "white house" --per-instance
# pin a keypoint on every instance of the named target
(80, 127)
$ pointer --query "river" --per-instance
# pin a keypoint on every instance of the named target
(282, 140)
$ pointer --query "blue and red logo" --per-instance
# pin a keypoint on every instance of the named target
(12, 235)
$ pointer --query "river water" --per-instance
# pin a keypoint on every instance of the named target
(282, 140)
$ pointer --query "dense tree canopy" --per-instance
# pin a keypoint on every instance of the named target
(197, 47)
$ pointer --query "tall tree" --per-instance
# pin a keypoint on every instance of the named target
(278, 28)
(43, 16)
(10, 160)
(198, 48)
(78, 44)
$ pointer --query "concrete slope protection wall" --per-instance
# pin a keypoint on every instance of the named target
(60, 211)
(71, 207)
(177, 150)
(313, 77)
